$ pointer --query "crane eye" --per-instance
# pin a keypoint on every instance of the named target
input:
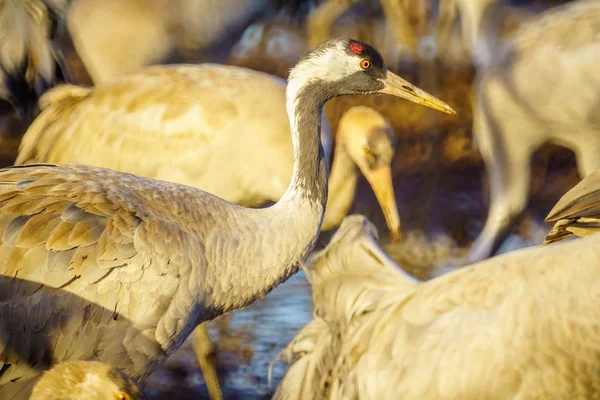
(122, 396)
(365, 64)
(367, 151)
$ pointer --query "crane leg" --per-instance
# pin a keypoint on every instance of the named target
(204, 349)
(321, 19)
(506, 141)
(509, 189)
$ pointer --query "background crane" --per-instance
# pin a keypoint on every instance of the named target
(520, 102)
(377, 333)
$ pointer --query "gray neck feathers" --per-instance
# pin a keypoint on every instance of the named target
(309, 179)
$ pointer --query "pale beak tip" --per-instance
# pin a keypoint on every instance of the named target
(450, 110)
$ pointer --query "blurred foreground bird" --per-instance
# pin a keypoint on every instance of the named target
(218, 128)
(164, 256)
(544, 87)
(518, 326)
(578, 211)
(89, 380)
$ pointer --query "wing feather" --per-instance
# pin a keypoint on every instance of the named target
(37, 229)
(78, 254)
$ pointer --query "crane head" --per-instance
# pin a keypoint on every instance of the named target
(369, 140)
(348, 67)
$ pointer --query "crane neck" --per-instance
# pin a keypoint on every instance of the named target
(304, 104)
(342, 187)
(295, 220)
(275, 241)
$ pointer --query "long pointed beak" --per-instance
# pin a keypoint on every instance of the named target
(381, 182)
(398, 87)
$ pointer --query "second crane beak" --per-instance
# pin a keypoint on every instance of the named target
(381, 182)
(397, 86)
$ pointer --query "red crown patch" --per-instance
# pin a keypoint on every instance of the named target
(356, 47)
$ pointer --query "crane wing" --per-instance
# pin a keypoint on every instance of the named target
(99, 270)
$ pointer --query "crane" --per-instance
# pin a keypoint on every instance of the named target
(165, 256)
(93, 380)
(519, 103)
(79, 125)
(519, 325)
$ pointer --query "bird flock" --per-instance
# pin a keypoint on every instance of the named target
(177, 189)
